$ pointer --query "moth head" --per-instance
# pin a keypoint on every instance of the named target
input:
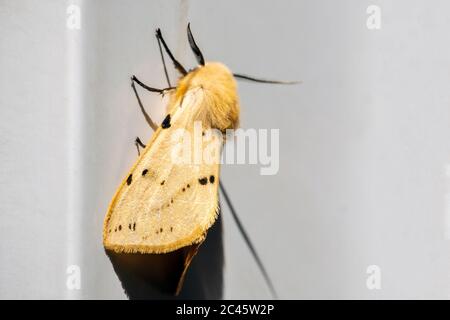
(220, 102)
(220, 99)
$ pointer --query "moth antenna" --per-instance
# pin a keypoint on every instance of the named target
(163, 61)
(248, 242)
(194, 47)
(177, 65)
(249, 78)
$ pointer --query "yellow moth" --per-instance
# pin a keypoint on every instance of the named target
(163, 205)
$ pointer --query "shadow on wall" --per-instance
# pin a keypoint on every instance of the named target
(142, 274)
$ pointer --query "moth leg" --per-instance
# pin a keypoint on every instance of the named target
(146, 116)
(138, 143)
(151, 89)
(177, 65)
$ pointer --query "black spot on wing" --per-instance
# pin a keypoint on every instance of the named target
(203, 181)
(129, 179)
(211, 179)
(166, 122)
(144, 172)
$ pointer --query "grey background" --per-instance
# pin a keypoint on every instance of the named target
(364, 141)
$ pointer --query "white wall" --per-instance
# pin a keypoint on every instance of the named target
(363, 141)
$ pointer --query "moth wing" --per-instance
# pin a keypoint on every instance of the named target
(169, 199)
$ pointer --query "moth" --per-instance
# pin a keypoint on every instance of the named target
(163, 205)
